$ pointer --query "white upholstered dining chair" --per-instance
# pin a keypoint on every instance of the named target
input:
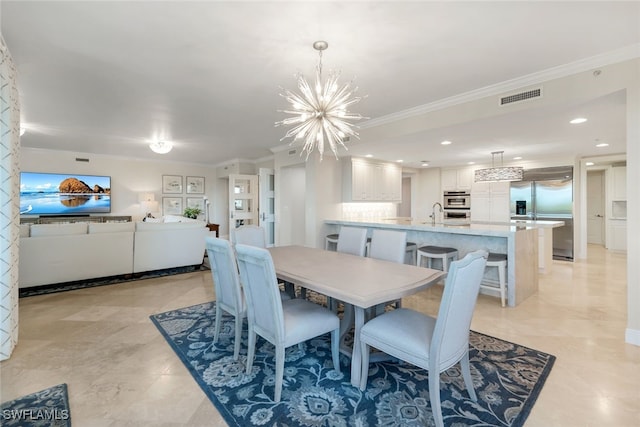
(434, 344)
(282, 323)
(388, 245)
(352, 240)
(226, 281)
(254, 235)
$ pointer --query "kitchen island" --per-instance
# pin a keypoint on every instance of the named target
(519, 241)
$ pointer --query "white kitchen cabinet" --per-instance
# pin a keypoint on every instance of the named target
(490, 202)
(619, 174)
(617, 236)
(370, 181)
(456, 179)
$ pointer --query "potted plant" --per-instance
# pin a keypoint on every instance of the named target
(192, 212)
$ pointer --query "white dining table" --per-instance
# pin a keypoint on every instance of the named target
(359, 281)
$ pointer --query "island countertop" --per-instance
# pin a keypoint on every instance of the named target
(516, 239)
(449, 226)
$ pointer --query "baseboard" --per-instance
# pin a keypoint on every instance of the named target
(632, 336)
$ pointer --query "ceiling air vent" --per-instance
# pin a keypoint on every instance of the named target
(521, 96)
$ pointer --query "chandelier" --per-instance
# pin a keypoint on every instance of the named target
(320, 115)
(501, 173)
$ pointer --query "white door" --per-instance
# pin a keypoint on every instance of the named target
(243, 200)
(595, 207)
(266, 187)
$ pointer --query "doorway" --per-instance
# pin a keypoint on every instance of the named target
(596, 207)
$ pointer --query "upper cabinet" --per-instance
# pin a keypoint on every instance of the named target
(490, 202)
(619, 174)
(456, 179)
(371, 181)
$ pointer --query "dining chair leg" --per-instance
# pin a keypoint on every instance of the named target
(335, 349)
(236, 344)
(466, 374)
(279, 371)
(434, 397)
(364, 375)
(251, 349)
(218, 323)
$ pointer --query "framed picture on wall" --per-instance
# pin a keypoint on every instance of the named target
(172, 184)
(196, 202)
(172, 206)
(195, 185)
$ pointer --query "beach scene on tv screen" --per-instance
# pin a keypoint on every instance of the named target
(59, 194)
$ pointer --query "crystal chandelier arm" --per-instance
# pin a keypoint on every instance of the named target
(308, 93)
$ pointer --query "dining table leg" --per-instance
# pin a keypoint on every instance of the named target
(356, 352)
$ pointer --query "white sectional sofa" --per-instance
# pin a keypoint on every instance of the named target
(58, 253)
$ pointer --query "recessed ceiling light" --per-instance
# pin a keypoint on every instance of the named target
(578, 120)
(602, 144)
(399, 161)
(517, 158)
(471, 163)
(445, 142)
(369, 155)
(424, 165)
(589, 163)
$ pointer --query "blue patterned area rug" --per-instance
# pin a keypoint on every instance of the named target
(507, 377)
(49, 407)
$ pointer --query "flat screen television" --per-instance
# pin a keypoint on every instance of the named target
(64, 194)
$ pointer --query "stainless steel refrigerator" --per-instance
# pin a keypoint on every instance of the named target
(547, 194)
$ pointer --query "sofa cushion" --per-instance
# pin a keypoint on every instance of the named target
(39, 230)
(24, 230)
(155, 226)
(110, 227)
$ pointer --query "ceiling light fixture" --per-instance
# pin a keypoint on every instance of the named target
(578, 120)
(589, 164)
(602, 144)
(160, 147)
(320, 115)
(445, 142)
(500, 173)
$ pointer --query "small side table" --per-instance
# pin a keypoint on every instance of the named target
(214, 227)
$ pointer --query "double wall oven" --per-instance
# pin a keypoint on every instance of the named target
(457, 205)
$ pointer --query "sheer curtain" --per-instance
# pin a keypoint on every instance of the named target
(9, 201)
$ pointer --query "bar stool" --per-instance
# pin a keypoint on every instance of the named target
(331, 239)
(437, 252)
(499, 261)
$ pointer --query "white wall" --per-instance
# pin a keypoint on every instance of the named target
(290, 213)
(129, 177)
(426, 192)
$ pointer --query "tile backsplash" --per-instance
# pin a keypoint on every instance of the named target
(363, 211)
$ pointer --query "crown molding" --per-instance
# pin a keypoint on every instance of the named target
(586, 64)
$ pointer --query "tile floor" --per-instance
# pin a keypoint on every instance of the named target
(121, 372)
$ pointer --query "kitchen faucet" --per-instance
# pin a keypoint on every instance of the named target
(433, 212)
